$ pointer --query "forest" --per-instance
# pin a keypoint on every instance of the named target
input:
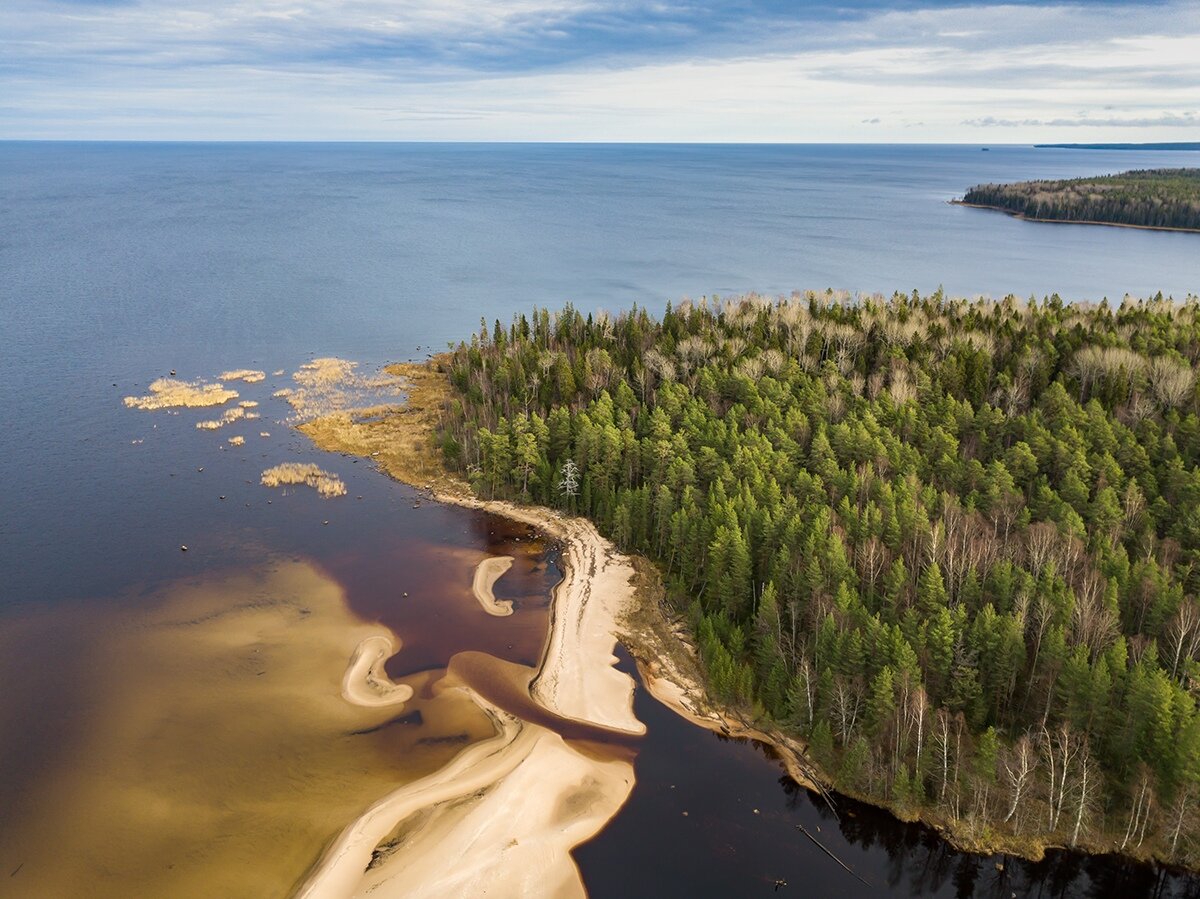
(954, 545)
(1151, 198)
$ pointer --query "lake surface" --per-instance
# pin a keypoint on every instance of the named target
(121, 262)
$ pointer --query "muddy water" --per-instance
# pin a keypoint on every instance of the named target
(171, 722)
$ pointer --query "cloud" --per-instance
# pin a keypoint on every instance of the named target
(1166, 120)
(594, 69)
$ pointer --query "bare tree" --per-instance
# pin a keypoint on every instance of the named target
(569, 485)
(1061, 749)
(1140, 809)
(1182, 812)
(804, 681)
(1019, 764)
(871, 557)
(1182, 636)
(1093, 622)
(1040, 541)
(1171, 381)
(847, 705)
(917, 709)
(1086, 792)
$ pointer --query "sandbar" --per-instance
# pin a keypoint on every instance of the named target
(487, 573)
(366, 684)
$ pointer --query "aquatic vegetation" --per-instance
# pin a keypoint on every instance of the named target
(325, 483)
(231, 415)
(166, 393)
(330, 385)
(328, 371)
(249, 375)
(237, 440)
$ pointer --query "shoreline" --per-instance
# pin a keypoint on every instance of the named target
(504, 814)
(1025, 218)
(666, 659)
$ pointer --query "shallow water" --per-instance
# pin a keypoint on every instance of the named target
(123, 262)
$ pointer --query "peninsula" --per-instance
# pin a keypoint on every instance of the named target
(1158, 199)
(944, 549)
(1164, 145)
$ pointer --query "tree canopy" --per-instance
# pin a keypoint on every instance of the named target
(1152, 198)
(954, 544)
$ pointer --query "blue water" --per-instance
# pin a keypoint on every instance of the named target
(120, 262)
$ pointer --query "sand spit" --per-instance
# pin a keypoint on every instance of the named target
(487, 573)
(502, 818)
(578, 678)
(325, 483)
(249, 375)
(167, 393)
(366, 684)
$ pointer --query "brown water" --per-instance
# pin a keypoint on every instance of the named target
(185, 733)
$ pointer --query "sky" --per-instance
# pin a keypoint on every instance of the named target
(916, 71)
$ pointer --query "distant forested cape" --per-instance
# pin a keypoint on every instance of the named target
(956, 545)
(1165, 145)
(1151, 198)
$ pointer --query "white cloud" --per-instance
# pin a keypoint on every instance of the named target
(421, 70)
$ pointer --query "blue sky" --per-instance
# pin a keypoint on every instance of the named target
(622, 70)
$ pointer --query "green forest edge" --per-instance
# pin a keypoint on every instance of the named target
(1151, 198)
(952, 545)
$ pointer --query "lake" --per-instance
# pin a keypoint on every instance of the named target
(122, 262)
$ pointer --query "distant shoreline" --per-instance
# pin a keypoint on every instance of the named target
(1163, 146)
(1026, 218)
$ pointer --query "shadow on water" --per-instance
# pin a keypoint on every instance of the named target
(713, 816)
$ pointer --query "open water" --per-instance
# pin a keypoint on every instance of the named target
(121, 262)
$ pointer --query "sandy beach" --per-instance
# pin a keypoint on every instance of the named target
(502, 818)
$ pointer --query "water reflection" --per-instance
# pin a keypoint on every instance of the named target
(711, 816)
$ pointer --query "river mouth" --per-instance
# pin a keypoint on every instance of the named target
(185, 733)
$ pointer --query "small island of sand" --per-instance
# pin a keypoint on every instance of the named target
(487, 573)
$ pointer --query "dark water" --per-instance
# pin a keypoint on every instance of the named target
(119, 263)
(714, 817)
